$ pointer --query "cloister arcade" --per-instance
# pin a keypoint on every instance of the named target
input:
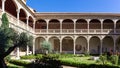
(67, 33)
(82, 44)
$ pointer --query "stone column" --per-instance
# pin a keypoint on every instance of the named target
(88, 48)
(18, 53)
(27, 21)
(88, 20)
(3, 6)
(101, 25)
(33, 46)
(60, 45)
(115, 26)
(18, 15)
(61, 20)
(47, 21)
(74, 20)
(101, 41)
(34, 26)
(74, 48)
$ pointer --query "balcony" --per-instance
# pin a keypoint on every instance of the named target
(13, 22)
(77, 31)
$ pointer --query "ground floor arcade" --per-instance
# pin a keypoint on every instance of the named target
(77, 44)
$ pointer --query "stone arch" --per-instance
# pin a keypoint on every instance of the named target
(38, 42)
(23, 15)
(81, 24)
(31, 21)
(55, 42)
(95, 24)
(108, 44)
(118, 24)
(117, 43)
(108, 24)
(67, 24)
(67, 44)
(54, 24)
(81, 44)
(11, 7)
(41, 24)
(0, 4)
(94, 44)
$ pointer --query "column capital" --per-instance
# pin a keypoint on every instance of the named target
(74, 20)
(88, 20)
(47, 20)
(101, 20)
(61, 20)
(18, 10)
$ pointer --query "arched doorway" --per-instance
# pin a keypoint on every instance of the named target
(38, 42)
(108, 44)
(81, 45)
(94, 45)
(67, 45)
(55, 42)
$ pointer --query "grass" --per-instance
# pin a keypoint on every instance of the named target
(82, 60)
(10, 65)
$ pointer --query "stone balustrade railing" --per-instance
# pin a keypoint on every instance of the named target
(76, 31)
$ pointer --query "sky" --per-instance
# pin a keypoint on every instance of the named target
(109, 6)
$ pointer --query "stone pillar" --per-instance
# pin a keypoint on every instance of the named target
(33, 46)
(3, 6)
(88, 20)
(47, 21)
(27, 52)
(101, 41)
(74, 48)
(18, 15)
(88, 48)
(61, 25)
(18, 53)
(74, 20)
(60, 45)
(115, 26)
(101, 25)
(27, 21)
(34, 26)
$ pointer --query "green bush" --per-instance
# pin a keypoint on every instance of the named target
(103, 59)
(28, 57)
(114, 59)
(19, 62)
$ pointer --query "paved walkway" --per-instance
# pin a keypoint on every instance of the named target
(68, 67)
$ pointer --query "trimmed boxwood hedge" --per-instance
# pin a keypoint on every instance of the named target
(19, 62)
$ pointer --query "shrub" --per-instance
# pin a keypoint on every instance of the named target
(114, 59)
(28, 57)
(47, 62)
(19, 62)
(103, 59)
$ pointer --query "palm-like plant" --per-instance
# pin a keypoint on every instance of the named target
(9, 40)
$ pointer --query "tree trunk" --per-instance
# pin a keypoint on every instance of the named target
(2, 63)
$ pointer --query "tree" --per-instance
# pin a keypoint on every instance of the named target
(9, 40)
(46, 46)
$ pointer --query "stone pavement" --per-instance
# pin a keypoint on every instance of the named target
(68, 67)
